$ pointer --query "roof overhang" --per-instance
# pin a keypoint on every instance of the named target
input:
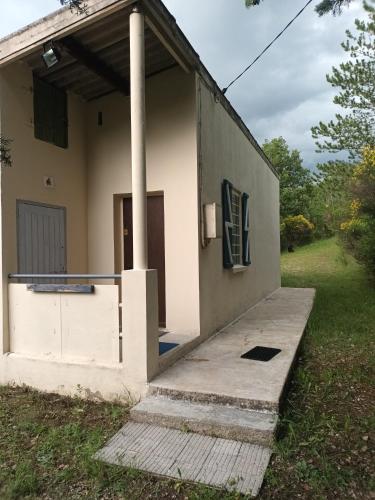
(95, 49)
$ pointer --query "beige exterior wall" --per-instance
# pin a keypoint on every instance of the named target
(70, 327)
(33, 159)
(171, 169)
(226, 153)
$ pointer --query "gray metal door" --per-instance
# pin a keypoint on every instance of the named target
(41, 239)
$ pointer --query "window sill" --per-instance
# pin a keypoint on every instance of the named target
(239, 269)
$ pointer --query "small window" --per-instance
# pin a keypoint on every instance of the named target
(237, 228)
(50, 114)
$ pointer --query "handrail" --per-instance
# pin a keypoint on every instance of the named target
(65, 276)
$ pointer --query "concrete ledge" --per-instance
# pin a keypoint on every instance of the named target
(215, 373)
(207, 419)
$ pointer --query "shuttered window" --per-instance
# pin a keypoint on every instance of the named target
(50, 114)
(227, 224)
(246, 260)
(236, 227)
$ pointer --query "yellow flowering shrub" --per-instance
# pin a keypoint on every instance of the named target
(358, 233)
(296, 229)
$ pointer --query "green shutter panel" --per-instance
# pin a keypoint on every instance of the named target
(227, 224)
(50, 114)
(61, 119)
(43, 103)
(246, 260)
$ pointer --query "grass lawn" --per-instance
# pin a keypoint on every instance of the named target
(325, 448)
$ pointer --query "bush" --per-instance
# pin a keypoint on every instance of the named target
(295, 230)
(358, 233)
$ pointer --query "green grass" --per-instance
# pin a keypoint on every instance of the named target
(325, 443)
(324, 450)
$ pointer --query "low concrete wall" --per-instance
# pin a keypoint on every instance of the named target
(65, 327)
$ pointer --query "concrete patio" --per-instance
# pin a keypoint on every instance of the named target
(215, 371)
(212, 416)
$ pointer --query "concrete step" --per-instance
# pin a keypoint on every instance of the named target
(208, 419)
(217, 398)
(187, 456)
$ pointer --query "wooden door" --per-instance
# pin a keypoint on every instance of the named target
(156, 245)
(40, 239)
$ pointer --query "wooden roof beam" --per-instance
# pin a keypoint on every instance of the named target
(75, 49)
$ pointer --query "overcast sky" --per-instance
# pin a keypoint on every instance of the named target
(286, 92)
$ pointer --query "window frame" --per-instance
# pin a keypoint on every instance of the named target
(236, 228)
(236, 240)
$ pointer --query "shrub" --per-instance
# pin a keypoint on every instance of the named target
(358, 233)
(295, 230)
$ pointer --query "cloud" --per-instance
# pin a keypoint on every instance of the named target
(286, 92)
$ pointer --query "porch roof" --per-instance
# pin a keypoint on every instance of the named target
(95, 50)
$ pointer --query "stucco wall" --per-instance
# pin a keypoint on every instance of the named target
(226, 153)
(33, 159)
(171, 169)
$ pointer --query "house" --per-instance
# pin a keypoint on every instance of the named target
(137, 188)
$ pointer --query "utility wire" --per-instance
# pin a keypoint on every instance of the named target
(268, 47)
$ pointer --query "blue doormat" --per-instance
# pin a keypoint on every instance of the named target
(165, 347)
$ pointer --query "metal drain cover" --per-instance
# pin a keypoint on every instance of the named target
(260, 353)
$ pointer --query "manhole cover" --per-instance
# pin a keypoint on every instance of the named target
(260, 353)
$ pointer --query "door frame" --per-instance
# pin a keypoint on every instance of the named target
(44, 205)
(118, 221)
(118, 232)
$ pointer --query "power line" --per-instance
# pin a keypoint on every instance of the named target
(268, 47)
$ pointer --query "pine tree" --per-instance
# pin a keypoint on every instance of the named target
(356, 80)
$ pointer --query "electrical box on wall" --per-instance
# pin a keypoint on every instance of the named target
(212, 221)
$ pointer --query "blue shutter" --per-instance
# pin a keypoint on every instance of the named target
(227, 224)
(246, 260)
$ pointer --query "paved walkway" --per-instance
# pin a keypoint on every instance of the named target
(241, 399)
(191, 457)
(215, 372)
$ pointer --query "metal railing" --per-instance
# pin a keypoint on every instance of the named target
(65, 276)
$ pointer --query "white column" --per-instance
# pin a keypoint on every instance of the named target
(140, 285)
(138, 140)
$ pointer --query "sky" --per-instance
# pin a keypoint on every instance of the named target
(286, 92)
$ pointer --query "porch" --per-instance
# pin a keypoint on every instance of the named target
(212, 417)
(80, 207)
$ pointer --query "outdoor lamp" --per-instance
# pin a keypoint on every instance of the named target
(51, 55)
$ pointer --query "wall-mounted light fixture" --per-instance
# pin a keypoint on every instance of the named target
(51, 54)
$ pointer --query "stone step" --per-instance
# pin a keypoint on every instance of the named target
(209, 419)
(216, 398)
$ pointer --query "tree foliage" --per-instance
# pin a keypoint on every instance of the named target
(355, 80)
(295, 230)
(330, 197)
(296, 181)
(324, 7)
(358, 232)
(5, 156)
(78, 6)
